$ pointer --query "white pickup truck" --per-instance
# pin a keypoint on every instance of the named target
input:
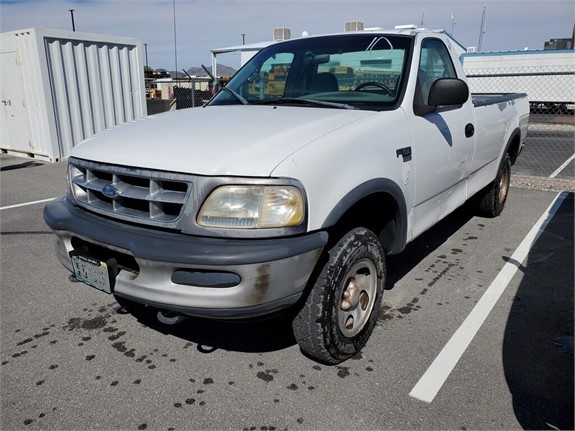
(287, 190)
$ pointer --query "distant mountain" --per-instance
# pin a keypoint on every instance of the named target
(223, 70)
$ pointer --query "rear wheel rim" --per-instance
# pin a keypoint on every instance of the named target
(504, 181)
(357, 298)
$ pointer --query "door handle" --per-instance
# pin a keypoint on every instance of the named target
(469, 130)
(405, 153)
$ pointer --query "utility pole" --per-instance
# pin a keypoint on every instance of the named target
(452, 23)
(175, 42)
(72, 15)
(243, 38)
(146, 49)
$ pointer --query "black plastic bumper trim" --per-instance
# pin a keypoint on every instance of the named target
(217, 279)
(152, 244)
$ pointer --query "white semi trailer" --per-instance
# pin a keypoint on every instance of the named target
(548, 77)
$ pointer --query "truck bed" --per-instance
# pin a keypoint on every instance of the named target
(484, 99)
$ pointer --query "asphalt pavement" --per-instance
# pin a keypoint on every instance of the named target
(547, 148)
(69, 360)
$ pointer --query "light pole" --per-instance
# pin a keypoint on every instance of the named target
(146, 49)
(243, 38)
(72, 15)
(175, 42)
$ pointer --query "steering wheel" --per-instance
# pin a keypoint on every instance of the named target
(373, 84)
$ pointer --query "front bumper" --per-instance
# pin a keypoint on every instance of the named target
(219, 278)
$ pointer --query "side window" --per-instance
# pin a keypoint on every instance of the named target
(434, 63)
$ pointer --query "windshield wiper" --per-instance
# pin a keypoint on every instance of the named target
(241, 99)
(298, 101)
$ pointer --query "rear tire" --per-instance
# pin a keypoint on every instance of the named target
(343, 305)
(491, 200)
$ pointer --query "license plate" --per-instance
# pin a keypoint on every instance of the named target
(94, 272)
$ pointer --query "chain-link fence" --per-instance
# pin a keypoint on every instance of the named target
(547, 161)
(190, 97)
(168, 95)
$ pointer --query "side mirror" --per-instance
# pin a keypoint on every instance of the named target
(448, 91)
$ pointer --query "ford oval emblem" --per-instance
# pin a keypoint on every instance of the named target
(110, 191)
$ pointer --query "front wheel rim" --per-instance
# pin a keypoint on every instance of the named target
(358, 297)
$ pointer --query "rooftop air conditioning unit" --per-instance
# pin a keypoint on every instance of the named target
(354, 26)
(282, 34)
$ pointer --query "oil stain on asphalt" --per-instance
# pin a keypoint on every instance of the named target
(101, 325)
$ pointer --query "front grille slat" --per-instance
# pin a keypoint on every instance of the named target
(169, 197)
(94, 184)
(141, 195)
(133, 192)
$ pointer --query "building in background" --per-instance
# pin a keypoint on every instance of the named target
(559, 44)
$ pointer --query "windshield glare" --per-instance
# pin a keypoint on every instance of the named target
(365, 71)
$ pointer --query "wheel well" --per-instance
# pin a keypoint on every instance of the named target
(513, 148)
(377, 212)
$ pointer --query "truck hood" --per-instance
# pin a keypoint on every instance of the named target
(217, 140)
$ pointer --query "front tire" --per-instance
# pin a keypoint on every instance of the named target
(343, 305)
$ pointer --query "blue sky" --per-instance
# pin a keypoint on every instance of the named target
(205, 24)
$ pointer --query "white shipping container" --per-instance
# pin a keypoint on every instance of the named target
(60, 87)
(546, 76)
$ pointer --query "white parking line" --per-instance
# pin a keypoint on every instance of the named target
(438, 372)
(563, 166)
(26, 204)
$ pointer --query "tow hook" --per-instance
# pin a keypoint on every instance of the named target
(170, 317)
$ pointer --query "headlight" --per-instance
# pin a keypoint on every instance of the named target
(252, 207)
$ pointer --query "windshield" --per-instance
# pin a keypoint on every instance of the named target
(357, 71)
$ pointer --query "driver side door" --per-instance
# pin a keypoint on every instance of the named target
(443, 144)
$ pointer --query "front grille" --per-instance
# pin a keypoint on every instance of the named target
(139, 195)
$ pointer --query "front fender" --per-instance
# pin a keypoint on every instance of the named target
(371, 187)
